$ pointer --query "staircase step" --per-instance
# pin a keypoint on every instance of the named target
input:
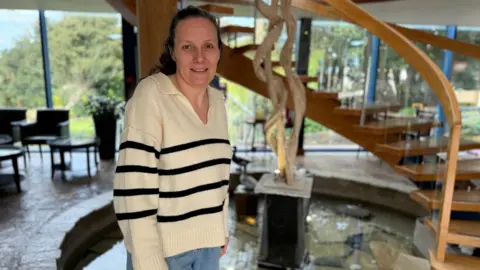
(467, 169)
(246, 48)
(460, 232)
(463, 200)
(396, 125)
(217, 9)
(237, 29)
(307, 79)
(277, 64)
(367, 110)
(455, 262)
(322, 95)
(425, 146)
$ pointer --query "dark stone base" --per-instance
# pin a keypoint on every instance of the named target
(246, 203)
(282, 243)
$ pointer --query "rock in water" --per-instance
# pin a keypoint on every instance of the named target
(354, 211)
(329, 261)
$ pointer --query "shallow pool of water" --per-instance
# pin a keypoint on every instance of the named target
(335, 240)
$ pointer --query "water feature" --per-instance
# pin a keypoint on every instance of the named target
(340, 235)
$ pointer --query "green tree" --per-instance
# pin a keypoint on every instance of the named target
(84, 58)
(21, 73)
(84, 54)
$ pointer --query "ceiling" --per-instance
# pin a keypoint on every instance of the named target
(430, 12)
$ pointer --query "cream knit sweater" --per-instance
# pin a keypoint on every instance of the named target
(172, 176)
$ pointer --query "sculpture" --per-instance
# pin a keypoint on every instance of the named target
(277, 88)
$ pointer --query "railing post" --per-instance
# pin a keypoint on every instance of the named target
(374, 51)
(447, 70)
(45, 58)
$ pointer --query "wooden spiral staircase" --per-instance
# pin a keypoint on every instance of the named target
(386, 138)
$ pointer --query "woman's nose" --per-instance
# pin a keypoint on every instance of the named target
(199, 55)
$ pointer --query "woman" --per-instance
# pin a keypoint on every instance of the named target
(171, 182)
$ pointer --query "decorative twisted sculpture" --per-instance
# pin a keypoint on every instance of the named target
(277, 90)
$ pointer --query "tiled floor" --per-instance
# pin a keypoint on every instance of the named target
(24, 215)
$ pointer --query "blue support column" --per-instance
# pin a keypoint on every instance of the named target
(372, 85)
(447, 70)
(46, 59)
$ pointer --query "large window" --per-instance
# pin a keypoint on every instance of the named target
(466, 81)
(85, 52)
(245, 108)
(21, 66)
(338, 58)
(399, 81)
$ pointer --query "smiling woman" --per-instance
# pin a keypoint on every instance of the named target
(172, 177)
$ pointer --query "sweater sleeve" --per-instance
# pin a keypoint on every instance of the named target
(136, 179)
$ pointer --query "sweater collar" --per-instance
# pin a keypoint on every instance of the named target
(166, 86)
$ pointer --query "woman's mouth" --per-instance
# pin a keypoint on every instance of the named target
(199, 69)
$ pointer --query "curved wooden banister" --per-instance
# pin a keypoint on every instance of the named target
(403, 46)
(457, 46)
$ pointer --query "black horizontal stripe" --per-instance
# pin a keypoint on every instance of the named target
(194, 167)
(199, 212)
(135, 192)
(185, 146)
(135, 168)
(136, 215)
(139, 146)
(186, 192)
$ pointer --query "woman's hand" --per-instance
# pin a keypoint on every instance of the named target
(223, 249)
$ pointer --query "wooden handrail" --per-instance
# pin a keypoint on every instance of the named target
(404, 47)
(457, 46)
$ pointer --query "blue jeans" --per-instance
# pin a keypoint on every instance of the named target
(198, 259)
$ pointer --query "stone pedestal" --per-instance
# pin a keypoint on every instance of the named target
(282, 241)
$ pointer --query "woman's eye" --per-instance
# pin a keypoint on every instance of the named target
(186, 47)
(209, 46)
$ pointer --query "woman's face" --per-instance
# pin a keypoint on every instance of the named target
(196, 51)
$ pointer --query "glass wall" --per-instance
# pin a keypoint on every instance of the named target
(247, 110)
(466, 81)
(338, 58)
(399, 81)
(85, 51)
(21, 64)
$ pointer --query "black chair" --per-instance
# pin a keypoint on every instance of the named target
(10, 118)
(51, 124)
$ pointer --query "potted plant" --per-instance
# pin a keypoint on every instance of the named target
(105, 108)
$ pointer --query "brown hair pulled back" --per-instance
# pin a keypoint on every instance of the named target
(167, 65)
